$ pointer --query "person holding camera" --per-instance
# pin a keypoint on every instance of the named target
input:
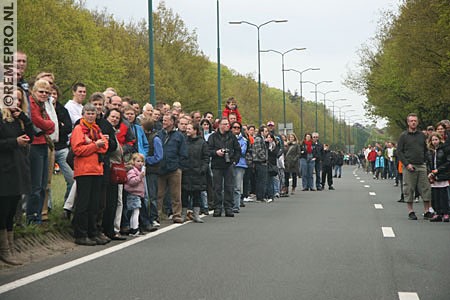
(225, 152)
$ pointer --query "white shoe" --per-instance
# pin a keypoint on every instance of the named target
(249, 199)
(277, 195)
(269, 200)
(156, 224)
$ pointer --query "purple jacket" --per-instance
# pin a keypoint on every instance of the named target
(135, 183)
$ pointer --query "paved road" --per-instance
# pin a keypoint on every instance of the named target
(314, 245)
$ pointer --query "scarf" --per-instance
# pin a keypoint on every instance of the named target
(92, 130)
(308, 146)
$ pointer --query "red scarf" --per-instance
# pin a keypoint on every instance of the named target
(308, 146)
(92, 130)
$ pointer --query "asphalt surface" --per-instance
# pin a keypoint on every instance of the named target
(313, 245)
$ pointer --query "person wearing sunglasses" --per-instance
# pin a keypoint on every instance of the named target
(44, 126)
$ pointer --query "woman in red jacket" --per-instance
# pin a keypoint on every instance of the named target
(88, 144)
(39, 150)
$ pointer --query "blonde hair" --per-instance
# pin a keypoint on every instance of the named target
(41, 84)
(134, 157)
(45, 74)
(431, 135)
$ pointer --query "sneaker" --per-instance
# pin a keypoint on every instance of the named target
(428, 215)
(236, 211)
(331, 188)
(134, 232)
(436, 218)
(412, 216)
(85, 241)
(269, 200)
(446, 218)
(277, 195)
(156, 224)
(401, 200)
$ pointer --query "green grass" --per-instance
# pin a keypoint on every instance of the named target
(55, 223)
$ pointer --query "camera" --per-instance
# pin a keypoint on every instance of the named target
(226, 155)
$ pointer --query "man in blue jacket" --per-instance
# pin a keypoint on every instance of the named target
(174, 156)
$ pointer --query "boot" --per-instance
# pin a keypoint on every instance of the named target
(196, 218)
(183, 214)
(5, 251)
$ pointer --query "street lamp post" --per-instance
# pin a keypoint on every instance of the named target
(301, 94)
(219, 94)
(315, 92)
(282, 73)
(324, 112)
(340, 127)
(350, 130)
(151, 53)
(259, 59)
(334, 101)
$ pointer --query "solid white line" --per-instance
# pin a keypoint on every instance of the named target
(362, 181)
(408, 296)
(367, 186)
(387, 232)
(372, 194)
(32, 278)
(378, 206)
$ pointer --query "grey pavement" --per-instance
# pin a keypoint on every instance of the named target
(313, 245)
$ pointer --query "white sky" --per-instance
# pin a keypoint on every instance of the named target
(332, 31)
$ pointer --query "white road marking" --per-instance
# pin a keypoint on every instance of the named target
(362, 181)
(387, 232)
(408, 296)
(46, 273)
(367, 186)
(358, 178)
(372, 194)
(378, 206)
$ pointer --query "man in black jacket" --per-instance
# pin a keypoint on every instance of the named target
(225, 152)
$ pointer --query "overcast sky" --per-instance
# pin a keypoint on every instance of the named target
(332, 31)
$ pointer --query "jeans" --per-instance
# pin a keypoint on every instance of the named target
(60, 158)
(152, 186)
(39, 177)
(271, 181)
(337, 169)
(261, 180)
(318, 169)
(307, 167)
(223, 184)
(238, 186)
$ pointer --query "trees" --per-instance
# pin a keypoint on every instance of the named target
(408, 70)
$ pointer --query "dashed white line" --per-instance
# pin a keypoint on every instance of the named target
(388, 232)
(378, 206)
(408, 296)
(367, 186)
(362, 181)
(358, 178)
(372, 194)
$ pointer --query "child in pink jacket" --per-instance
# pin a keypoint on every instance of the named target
(136, 190)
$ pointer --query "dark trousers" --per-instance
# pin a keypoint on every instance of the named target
(318, 168)
(8, 205)
(109, 214)
(190, 198)
(287, 175)
(327, 174)
(439, 200)
(152, 188)
(223, 185)
(261, 180)
(85, 217)
(247, 185)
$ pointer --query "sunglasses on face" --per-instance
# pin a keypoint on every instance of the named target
(43, 92)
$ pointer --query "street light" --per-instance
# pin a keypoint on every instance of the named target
(282, 73)
(349, 129)
(324, 113)
(301, 93)
(334, 101)
(219, 95)
(259, 58)
(340, 127)
(151, 54)
(315, 91)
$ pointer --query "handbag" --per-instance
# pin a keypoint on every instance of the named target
(118, 173)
